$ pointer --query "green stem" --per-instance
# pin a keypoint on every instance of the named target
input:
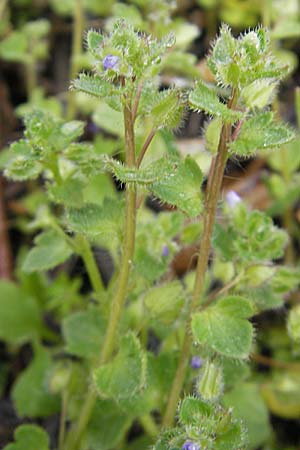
(215, 178)
(78, 26)
(31, 78)
(90, 264)
(149, 425)
(76, 433)
(62, 421)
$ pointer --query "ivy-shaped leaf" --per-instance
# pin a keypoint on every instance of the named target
(114, 424)
(167, 109)
(260, 133)
(30, 393)
(181, 187)
(165, 302)
(50, 250)
(95, 220)
(20, 318)
(203, 98)
(29, 437)
(23, 162)
(93, 85)
(125, 376)
(224, 328)
(83, 332)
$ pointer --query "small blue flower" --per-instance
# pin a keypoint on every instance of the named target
(232, 199)
(196, 362)
(188, 445)
(110, 62)
(165, 251)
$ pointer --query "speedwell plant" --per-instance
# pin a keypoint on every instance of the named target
(143, 347)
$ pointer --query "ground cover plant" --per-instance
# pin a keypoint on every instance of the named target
(124, 353)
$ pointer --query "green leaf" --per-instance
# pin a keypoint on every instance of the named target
(167, 109)
(172, 181)
(192, 410)
(94, 41)
(165, 302)
(23, 163)
(203, 98)
(224, 328)
(125, 376)
(248, 405)
(47, 134)
(261, 133)
(92, 85)
(224, 47)
(83, 333)
(15, 48)
(114, 423)
(68, 193)
(181, 187)
(259, 93)
(50, 250)
(212, 135)
(20, 318)
(30, 393)
(29, 437)
(95, 220)
(210, 383)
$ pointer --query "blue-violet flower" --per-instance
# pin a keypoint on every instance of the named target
(188, 445)
(110, 62)
(165, 251)
(196, 362)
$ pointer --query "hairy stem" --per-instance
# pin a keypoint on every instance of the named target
(214, 183)
(76, 433)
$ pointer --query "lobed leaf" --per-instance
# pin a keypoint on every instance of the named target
(125, 375)
(203, 98)
(30, 392)
(83, 333)
(50, 250)
(260, 132)
(95, 220)
(29, 437)
(165, 302)
(224, 328)
(92, 85)
(20, 318)
(181, 187)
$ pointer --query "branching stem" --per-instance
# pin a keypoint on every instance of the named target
(215, 178)
(76, 433)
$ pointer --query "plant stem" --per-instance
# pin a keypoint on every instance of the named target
(76, 433)
(62, 421)
(78, 26)
(149, 425)
(145, 146)
(31, 78)
(214, 183)
(90, 264)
